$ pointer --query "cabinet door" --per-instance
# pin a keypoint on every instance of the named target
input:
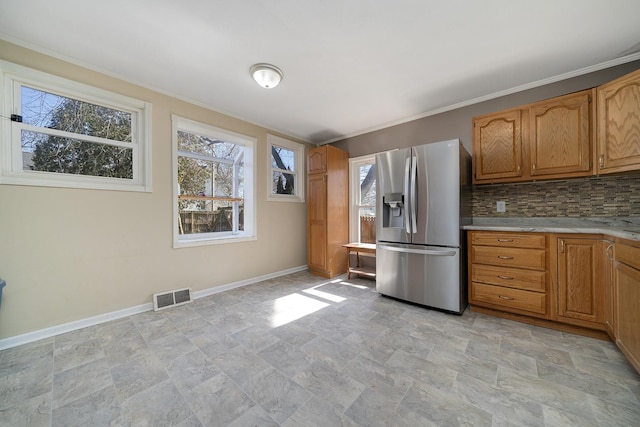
(619, 124)
(317, 160)
(497, 147)
(580, 290)
(627, 313)
(317, 221)
(560, 136)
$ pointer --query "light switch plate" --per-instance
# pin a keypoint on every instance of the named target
(501, 206)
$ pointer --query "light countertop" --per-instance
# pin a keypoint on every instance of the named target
(626, 228)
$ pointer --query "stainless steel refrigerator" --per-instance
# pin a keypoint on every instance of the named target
(423, 199)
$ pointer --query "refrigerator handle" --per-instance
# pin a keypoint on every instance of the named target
(407, 198)
(417, 251)
(414, 194)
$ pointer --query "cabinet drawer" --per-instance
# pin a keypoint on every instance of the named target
(629, 255)
(512, 240)
(508, 298)
(509, 257)
(530, 280)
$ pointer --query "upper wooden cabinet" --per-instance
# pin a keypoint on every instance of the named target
(497, 146)
(561, 137)
(545, 140)
(317, 160)
(619, 124)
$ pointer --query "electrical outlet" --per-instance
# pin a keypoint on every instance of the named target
(501, 206)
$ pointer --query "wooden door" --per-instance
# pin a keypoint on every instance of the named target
(619, 124)
(560, 136)
(317, 160)
(497, 147)
(627, 312)
(580, 290)
(317, 222)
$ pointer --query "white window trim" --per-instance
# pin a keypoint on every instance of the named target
(250, 206)
(298, 150)
(12, 75)
(354, 193)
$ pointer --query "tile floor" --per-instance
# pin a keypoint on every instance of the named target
(304, 351)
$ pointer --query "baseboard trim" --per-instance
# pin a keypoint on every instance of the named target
(52, 331)
(72, 326)
(216, 290)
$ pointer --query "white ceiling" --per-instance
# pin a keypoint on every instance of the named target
(350, 66)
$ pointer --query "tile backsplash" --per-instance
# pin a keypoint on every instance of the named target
(610, 196)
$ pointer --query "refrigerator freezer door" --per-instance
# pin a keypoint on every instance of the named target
(438, 194)
(392, 196)
(421, 274)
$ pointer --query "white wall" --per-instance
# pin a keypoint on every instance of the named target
(69, 254)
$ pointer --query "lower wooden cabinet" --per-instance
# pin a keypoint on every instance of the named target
(508, 272)
(627, 300)
(580, 281)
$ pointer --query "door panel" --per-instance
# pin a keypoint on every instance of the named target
(317, 222)
(421, 274)
(561, 136)
(580, 292)
(391, 200)
(438, 194)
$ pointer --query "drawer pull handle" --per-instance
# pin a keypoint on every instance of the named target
(505, 277)
(505, 240)
(505, 297)
(505, 257)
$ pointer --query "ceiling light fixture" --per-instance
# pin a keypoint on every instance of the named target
(268, 76)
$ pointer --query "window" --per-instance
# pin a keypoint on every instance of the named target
(213, 184)
(286, 170)
(65, 134)
(362, 212)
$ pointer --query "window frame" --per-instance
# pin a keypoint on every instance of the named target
(298, 172)
(354, 193)
(250, 217)
(13, 77)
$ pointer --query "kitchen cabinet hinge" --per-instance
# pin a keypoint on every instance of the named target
(589, 99)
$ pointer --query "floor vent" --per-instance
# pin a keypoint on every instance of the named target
(171, 298)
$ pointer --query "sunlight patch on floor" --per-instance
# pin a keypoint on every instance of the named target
(353, 285)
(292, 307)
(324, 295)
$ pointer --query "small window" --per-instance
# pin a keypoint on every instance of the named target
(66, 134)
(213, 179)
(362, 213)
(286, 176)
